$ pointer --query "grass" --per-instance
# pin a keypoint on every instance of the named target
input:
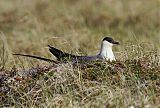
(76, 26)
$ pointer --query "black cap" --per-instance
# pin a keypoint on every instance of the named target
(110, 40)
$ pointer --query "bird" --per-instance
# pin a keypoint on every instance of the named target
(105, 53)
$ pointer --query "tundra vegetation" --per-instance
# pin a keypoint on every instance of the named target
(78, 26)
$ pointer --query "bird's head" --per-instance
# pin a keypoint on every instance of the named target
(109, 41)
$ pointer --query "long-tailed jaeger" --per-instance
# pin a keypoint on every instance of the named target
(105, 53)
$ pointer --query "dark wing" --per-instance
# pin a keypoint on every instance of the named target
(60, 55)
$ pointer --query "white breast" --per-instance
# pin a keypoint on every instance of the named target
(106, 51)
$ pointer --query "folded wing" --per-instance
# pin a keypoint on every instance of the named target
(60, 55)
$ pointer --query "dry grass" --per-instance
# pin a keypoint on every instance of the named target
(28, 26)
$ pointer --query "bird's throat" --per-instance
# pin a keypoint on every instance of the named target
(106, 52)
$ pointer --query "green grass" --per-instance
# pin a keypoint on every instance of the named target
(28, 26)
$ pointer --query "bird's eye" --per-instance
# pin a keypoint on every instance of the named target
(110, 40)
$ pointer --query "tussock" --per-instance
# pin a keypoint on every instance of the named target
(53, 85)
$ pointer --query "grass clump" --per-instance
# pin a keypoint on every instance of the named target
(113, 84)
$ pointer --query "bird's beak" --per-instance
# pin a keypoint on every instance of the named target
(116, 43)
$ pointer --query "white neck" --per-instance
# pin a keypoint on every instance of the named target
(106, 51)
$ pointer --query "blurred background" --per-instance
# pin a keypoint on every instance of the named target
(76, 26)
